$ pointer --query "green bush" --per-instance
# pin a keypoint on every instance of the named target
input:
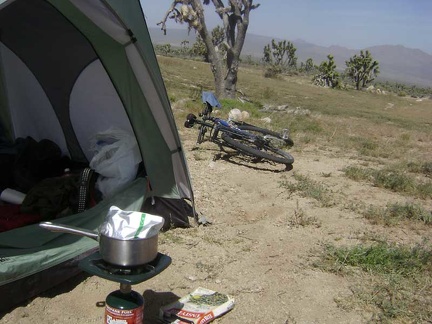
(394, 213)
(383, 258)
(394, 279)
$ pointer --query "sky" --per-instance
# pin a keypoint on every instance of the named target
(349, 23)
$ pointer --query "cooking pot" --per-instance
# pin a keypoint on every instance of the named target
(127, 253)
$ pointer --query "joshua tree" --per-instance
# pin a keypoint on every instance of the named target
(165, 49)
(308, 66)
(280, 55)
(235, 19)
(327, 76)
(362, 69)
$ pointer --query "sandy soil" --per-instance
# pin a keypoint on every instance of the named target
(256, 248)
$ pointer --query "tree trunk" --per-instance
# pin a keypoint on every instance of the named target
(358, 80)
(215, 59)
(230, 83)
(236, 26)
(217, 68)
(235, 18)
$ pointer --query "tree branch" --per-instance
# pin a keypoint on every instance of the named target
(175, 15)
(220, 8)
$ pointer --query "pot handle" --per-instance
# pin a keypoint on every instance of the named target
(69, 229)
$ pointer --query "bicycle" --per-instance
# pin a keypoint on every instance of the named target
(243, 137)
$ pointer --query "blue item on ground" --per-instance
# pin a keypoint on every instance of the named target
(211, 99)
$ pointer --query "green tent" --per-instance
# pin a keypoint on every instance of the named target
(68, 70)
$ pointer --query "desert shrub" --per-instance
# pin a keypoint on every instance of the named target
(272, 72)
(391, 178)
(422, 168)
(357, 173)
(308, 188)
(392, 214)
(386, 278)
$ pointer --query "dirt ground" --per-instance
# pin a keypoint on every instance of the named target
(256, 248)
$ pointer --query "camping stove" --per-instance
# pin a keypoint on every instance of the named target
(124, 305)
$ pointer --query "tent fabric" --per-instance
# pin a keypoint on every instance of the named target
(43, 249)
(69, 69)
(5, 127)
(57, 61)
(31, 94)
(55, 66)
(121, 67)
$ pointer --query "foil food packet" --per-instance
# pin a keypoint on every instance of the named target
(128, 225)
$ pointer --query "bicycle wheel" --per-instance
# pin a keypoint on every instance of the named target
(267, 151)
(262, 131)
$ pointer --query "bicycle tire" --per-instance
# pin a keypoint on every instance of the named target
(251, 128)
(269, 153)
(201, 132)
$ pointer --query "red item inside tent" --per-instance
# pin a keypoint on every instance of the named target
(11, 217)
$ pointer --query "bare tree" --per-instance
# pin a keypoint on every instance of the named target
(235, 18)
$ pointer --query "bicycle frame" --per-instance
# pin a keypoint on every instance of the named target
(242, 137)
(219, 124)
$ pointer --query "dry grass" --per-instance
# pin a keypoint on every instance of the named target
(379, 126)
(390, 136)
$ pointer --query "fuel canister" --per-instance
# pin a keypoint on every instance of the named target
(124, 306)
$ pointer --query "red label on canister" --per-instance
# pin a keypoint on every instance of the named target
(123, 316)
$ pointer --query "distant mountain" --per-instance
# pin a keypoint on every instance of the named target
(404, 64)
(397, 63)
(174, 36)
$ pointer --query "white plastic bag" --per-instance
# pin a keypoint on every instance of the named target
(116, 159)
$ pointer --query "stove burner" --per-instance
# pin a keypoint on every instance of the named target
(95, 265)
(120, 270)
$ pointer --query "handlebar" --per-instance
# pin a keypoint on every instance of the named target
(191, 119)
